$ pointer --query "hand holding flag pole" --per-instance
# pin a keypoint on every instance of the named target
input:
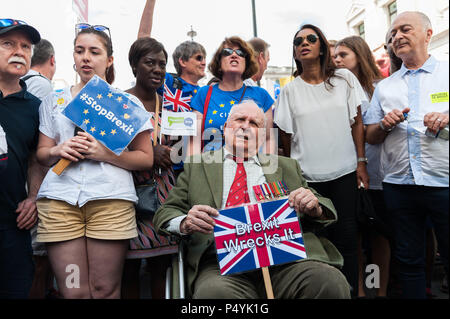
(63, 162)
(108, 114)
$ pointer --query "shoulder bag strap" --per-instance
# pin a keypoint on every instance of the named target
(243, 93)
(205, 110)
(155, 129)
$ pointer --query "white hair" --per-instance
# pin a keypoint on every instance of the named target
(248, 101)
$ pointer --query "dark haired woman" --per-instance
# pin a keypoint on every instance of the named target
(319, 117)
(86, 215)
(232, 63)
(148, 60)
(354, 54)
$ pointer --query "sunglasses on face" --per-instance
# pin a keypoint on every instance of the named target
(10, 22)
(199, 57)
(228, 52)
(82, 26)
(311, 38)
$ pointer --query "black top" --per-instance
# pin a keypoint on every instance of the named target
(19, 117)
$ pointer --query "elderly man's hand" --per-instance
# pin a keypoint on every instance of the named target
(27, 213)
(393, 118)
(199, 220)
(435, 121)
(304, 201)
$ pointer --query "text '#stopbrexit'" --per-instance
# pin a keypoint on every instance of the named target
(127, 128)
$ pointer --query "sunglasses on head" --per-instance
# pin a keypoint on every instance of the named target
(199, 57)
(83, 26)
(311, 38)
(10, 22)
(228, 52)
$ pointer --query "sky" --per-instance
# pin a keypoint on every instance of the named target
(213, 20)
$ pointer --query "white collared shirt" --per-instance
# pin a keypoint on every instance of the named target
(253, 169)
(86, 180)
(409, 156)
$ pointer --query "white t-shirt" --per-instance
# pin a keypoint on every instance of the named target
(85, 180)
(320, 117)
(38, 85)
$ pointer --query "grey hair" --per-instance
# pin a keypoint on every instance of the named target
(425, 20)
(42, 52)
(248, 100)
(185, 51)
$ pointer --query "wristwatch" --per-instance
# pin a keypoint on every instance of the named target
(363, 159)
(387, 130)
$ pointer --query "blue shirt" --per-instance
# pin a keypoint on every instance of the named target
(172, 94)
(408, 156)
(220, 105)
(169, 92)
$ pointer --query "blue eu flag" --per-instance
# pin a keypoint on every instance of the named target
(107, 114)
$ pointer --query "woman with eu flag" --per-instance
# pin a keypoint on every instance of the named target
(87, 215)
(232, 63)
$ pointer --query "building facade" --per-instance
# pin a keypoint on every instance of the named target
(371, 20)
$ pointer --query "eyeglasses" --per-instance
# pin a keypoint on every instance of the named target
(228, 52)
(311, 38)
(83, 26)
(199, 57)
(10, 22)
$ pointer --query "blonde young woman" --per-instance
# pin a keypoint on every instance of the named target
(86, 215)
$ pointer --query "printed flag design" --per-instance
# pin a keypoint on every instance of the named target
(174, 101)
(258, 235)
(106, 113)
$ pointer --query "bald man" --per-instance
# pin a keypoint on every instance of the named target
(405, 106)
(206, 186)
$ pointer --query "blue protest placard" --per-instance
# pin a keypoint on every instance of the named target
(257, 235)
(106, 113)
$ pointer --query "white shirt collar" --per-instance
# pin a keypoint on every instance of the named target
(229, 155)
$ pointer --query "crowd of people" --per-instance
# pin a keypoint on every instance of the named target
(344, 130)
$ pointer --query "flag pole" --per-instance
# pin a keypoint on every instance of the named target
(267, 282)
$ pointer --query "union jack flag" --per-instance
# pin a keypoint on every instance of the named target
(174, 101)
(257, 235)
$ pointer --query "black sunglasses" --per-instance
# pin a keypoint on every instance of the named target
(82, 26)
(311, 38)
(10, 22)
(199, 57)
(228, 52)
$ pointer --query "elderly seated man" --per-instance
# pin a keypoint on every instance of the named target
(203, 189)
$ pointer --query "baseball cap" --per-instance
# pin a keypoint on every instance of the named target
(7, 25)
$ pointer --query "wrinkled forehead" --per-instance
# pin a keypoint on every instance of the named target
(411, 19)
(249, 110)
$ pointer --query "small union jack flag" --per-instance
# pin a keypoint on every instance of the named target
(174, 101)
(258, 235)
